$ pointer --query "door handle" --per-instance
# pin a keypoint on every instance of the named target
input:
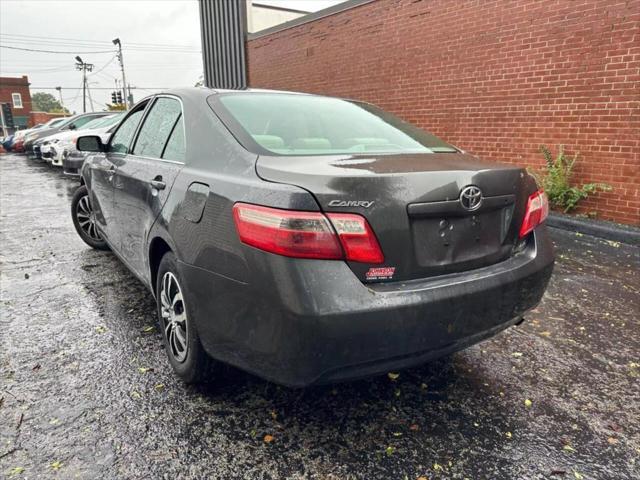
(158, 184)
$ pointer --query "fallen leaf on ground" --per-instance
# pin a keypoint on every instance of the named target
(56, 465)
(16, 471)
(268, 438)
(528, 403)
(578, 475)
(508, 435)
(437, 466)
(101, 329)
(148, 329)
(159, 387)
(546, 333)
(389, 450)
(516, 354)
(612, 440)
(145, 369)
(568, 448)
(393, 376)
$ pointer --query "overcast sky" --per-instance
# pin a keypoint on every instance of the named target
(160, 39)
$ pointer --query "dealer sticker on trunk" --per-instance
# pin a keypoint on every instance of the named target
(380, 273)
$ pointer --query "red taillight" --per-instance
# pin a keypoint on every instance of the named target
(358, 240)
(307, 234)
(536, 213)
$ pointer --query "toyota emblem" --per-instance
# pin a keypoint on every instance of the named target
(471, 198)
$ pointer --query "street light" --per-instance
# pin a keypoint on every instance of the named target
(78, 59)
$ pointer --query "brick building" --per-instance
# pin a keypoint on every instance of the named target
(15, 92)
(497, 78)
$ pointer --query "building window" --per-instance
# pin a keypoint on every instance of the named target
(17, 100)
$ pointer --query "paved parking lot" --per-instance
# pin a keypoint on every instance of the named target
(86, 392)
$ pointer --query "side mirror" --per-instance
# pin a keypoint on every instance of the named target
(72, 127)
(90, 143)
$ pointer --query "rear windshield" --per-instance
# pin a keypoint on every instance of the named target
(290, 124)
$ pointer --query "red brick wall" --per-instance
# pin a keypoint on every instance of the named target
(9, 85)
(497, 78)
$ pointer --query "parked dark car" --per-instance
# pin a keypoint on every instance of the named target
(309, 239)
(71, 123)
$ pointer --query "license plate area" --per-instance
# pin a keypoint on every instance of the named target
(452, 239)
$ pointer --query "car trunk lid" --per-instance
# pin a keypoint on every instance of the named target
(413, 204)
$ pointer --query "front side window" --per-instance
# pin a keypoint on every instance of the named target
(291, 124)
(121, 140)
(17, 100)
(157, 127)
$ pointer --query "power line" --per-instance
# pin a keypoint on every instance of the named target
(51, 51)
(97, 42)
(104, 88)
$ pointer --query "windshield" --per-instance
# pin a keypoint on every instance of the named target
(102, 122)
(54, 122)
(291, 124)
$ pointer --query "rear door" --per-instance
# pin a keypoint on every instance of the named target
(144, 177)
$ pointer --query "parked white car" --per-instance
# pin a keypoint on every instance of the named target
(62, 144)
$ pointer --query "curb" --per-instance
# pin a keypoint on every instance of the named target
(597, 228)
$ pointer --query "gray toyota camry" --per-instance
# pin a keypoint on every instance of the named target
(310, 239)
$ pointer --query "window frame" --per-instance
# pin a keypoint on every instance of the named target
(149, 107)
(145, 109)
(14, 104)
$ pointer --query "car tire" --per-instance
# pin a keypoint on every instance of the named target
(192, 364)
(83, 219)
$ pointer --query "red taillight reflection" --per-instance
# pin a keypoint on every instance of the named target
(307, 234)
(536, 213)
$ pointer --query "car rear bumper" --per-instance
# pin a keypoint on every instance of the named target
(303, 322)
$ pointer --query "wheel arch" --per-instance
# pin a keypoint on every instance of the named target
(158, 247)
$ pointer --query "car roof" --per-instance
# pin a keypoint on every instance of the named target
(204, 92)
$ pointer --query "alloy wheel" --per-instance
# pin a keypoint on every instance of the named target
(86, 219)
(174, 317)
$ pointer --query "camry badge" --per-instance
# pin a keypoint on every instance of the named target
(471, 198)
(351, 203)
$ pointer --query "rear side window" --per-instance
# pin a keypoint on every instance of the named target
(157, 127)
(122, 138)
(175, 146)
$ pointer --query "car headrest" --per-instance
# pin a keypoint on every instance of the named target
(311, 143)
(270, 142)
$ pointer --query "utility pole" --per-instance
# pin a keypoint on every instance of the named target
(116, 41)
(84, 67)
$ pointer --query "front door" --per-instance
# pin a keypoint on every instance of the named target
(103, 169)
(144, 178)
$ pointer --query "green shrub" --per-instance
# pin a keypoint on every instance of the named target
(555, 179)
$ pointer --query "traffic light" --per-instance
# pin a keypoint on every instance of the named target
(119, 96)
(113, 98)
(7, 115)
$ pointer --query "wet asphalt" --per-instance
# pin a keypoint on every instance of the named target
(86, 391)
